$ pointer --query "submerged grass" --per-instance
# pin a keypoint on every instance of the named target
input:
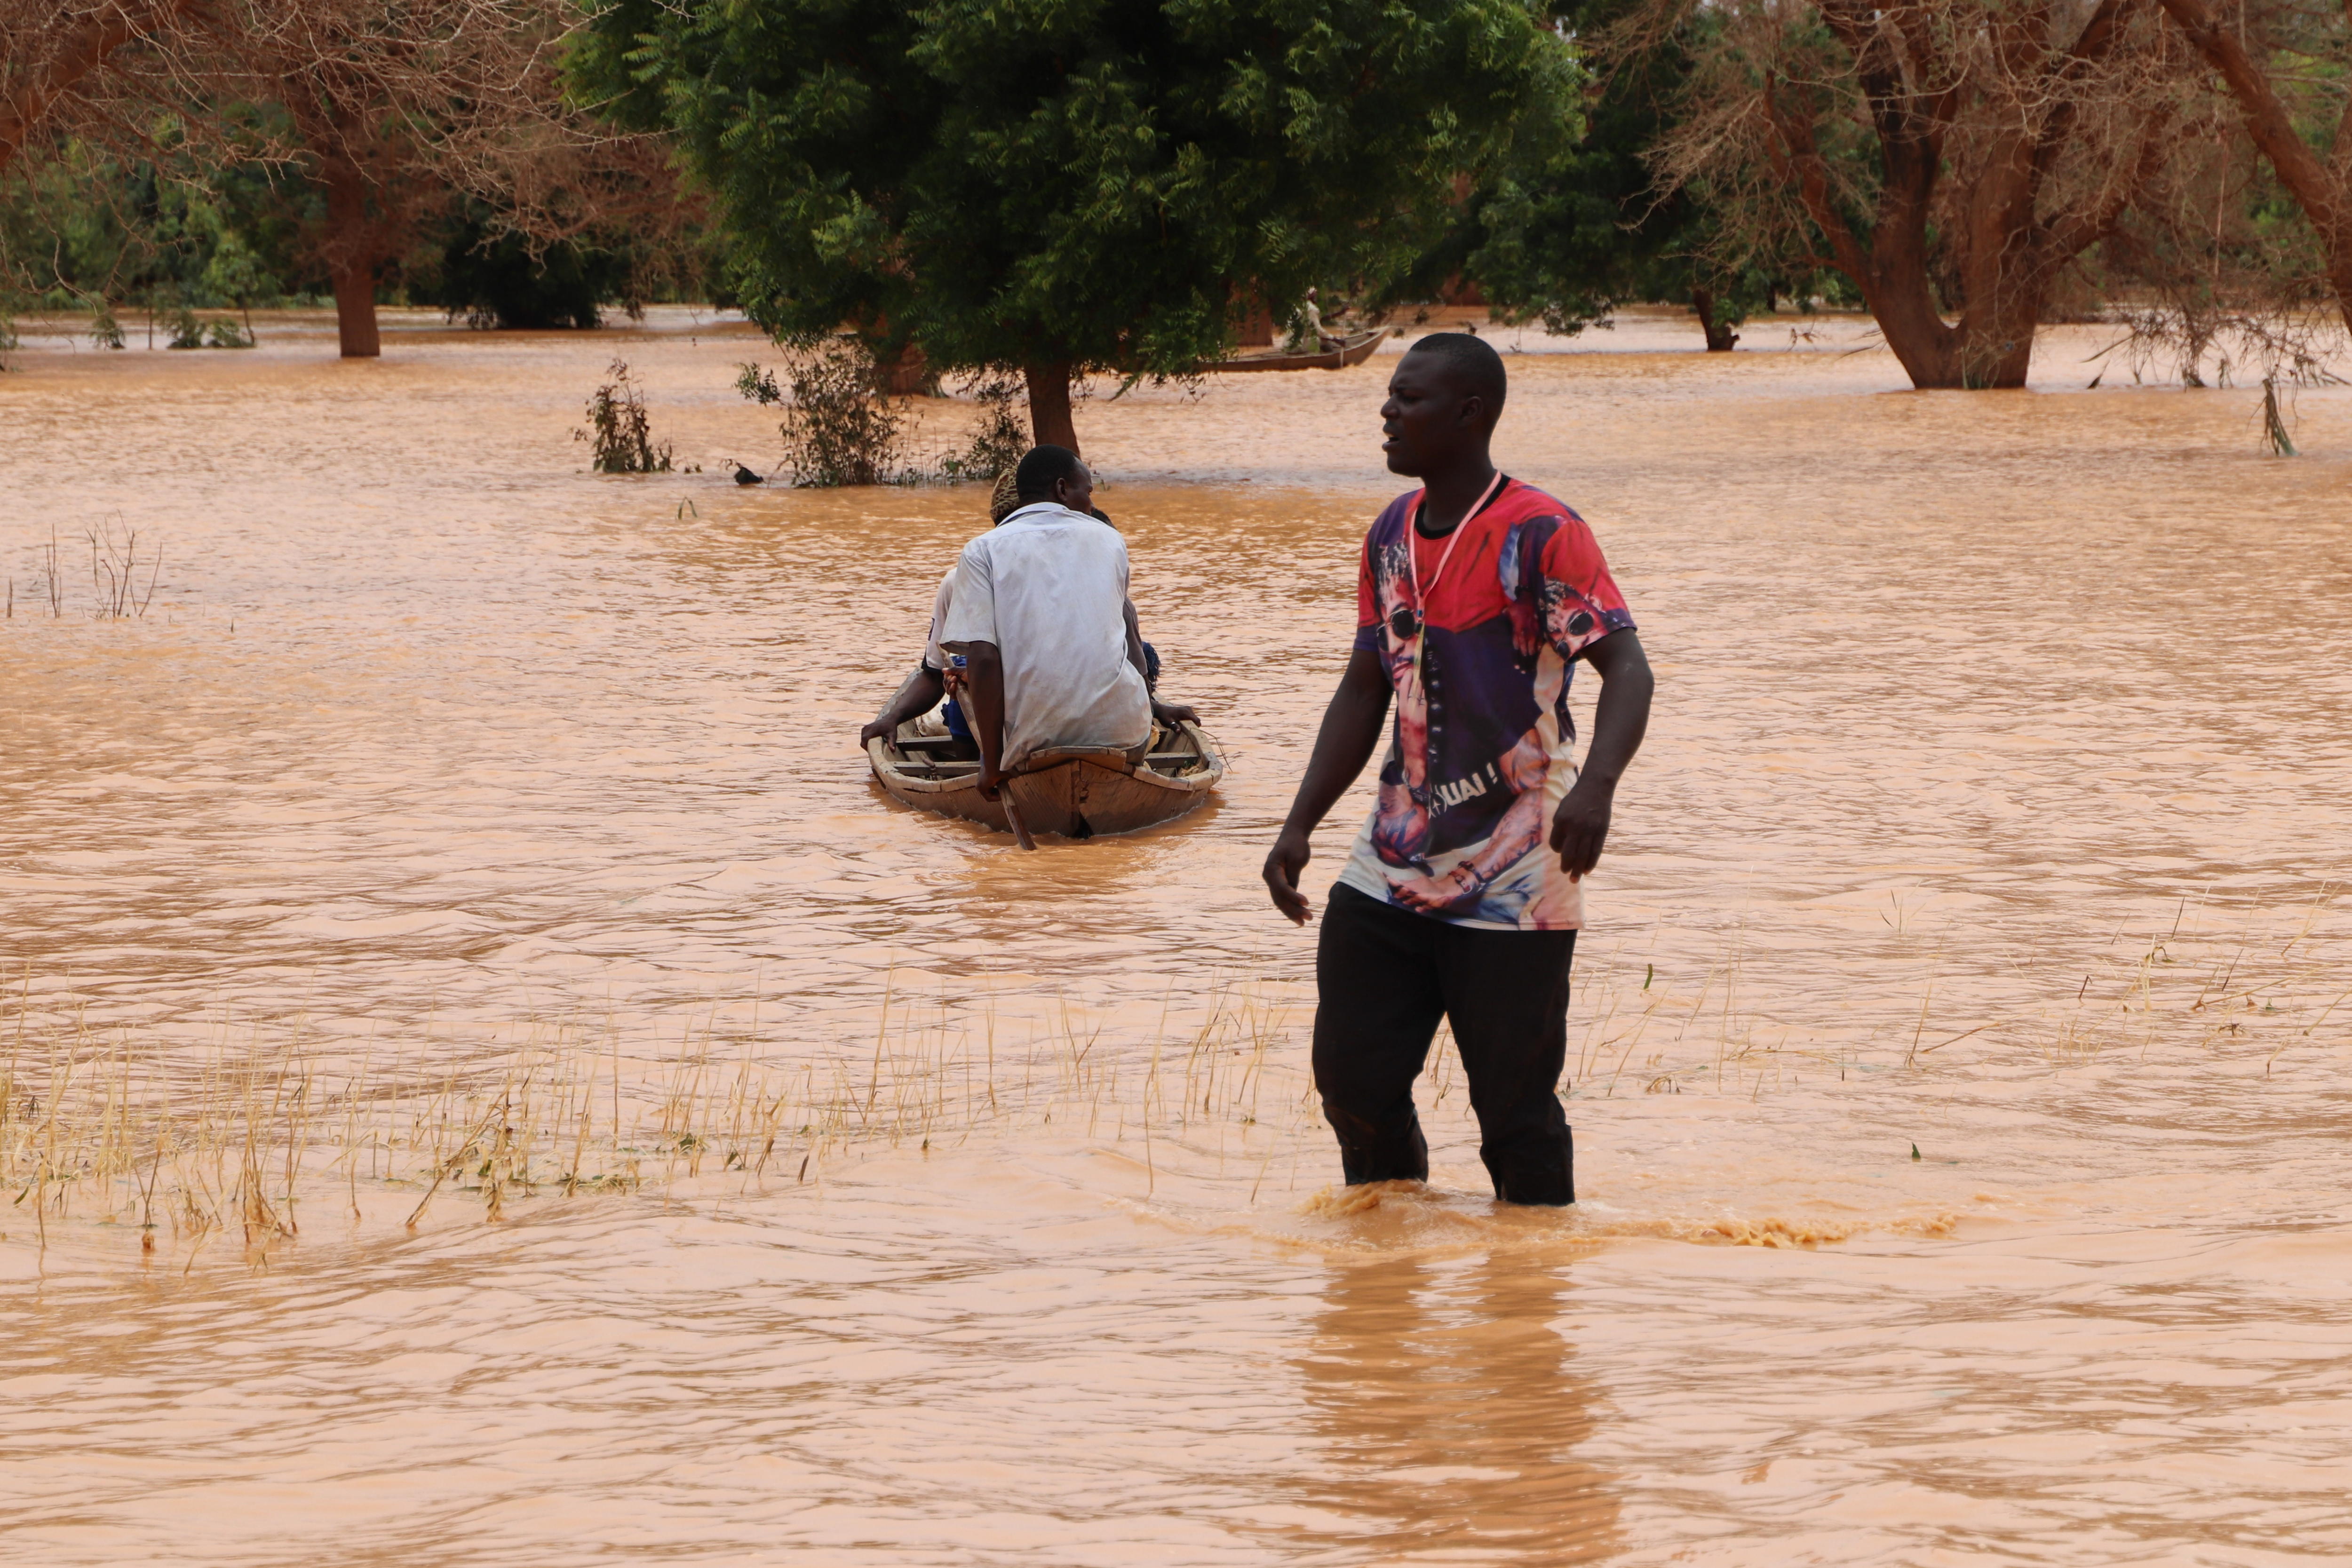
(2189, 982)
(243, 1140)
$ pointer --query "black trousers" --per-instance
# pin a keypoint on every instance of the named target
(1383, 977)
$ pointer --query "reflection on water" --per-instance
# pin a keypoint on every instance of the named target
(1453, 1414)
(1974, 909)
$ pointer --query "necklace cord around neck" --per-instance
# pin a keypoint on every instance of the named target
(1412, 566)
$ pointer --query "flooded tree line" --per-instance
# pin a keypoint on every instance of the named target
(1130, 191)
(166, 156)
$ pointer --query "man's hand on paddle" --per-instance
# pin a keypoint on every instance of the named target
(983, 686)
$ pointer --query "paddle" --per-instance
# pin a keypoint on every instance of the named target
(1012, 816)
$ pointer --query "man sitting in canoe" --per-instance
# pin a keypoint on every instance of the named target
(1039, 609)
(923, 690)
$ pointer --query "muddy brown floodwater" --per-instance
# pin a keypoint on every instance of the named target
(1971, 943)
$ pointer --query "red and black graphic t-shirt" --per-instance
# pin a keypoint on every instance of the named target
(1483, 747)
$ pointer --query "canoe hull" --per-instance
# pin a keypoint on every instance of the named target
(1077, 796)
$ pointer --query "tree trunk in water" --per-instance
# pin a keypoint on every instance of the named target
(1257, 325)
(904, 374)
(1991, 344)
(1719, 335)
(1049, 404)
(1984, 349)
(350, 262)
(2008, 254)
(1893, 275)
(355, 326)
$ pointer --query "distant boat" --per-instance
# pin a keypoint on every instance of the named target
(1076, 791)
(1353, 350)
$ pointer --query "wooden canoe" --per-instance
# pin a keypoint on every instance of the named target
(1077, 792)
(1353, 350)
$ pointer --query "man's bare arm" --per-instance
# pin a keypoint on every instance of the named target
(1580, 826)
(984, 682)
(1351, 727)
(920, 695)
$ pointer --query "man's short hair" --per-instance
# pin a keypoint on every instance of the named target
(1477, 367)
(1034, 480)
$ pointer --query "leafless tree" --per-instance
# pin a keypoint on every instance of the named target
(2211, 279)
(2283, 64)
(395, 111)
(1952, 158)
(63, 63)
(392, 110)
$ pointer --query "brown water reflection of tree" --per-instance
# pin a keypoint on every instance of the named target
(1452, 1414)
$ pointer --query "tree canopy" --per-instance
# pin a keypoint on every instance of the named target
(1074, 185)
(1953, 159)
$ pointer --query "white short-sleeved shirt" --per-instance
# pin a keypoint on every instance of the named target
(1048, 587)
(935, 657)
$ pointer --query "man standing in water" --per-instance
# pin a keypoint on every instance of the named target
(1478, 595)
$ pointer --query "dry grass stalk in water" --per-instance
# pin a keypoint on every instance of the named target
(93, 1129)
(248, 1141)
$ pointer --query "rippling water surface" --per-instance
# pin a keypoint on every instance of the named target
(1971, 937)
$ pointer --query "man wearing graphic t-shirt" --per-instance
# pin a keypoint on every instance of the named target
(1478, 596)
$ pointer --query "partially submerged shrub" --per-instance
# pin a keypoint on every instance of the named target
(998, 445)
(837, 428)
(105, 332)
(618, 431)
(187, 332)
(496, 277)
(759, 385)
(841, 427)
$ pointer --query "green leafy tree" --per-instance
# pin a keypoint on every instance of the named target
(496, 278)
(1066, 186)
(81, 227)
(1572, 238)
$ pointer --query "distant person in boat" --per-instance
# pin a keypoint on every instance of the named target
(1478, 595)
(931, 682)
(1306, 335)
